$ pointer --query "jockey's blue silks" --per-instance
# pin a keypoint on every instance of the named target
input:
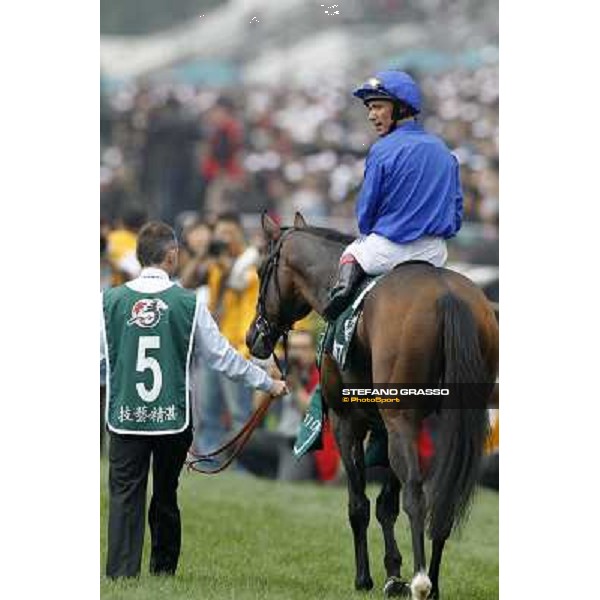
(411, 187)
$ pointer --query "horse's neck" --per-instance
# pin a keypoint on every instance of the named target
(318, 272)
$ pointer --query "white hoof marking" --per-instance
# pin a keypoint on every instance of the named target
(420, 586)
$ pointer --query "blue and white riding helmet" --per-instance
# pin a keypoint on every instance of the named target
(391, 85)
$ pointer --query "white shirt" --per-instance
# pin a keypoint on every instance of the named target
(209, 343)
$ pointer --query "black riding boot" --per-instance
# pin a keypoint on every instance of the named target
(349, 275)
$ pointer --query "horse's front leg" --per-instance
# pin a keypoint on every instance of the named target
(404, 460)
(350, 443)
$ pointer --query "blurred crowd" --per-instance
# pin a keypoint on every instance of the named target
(172, 149)
(199, 159)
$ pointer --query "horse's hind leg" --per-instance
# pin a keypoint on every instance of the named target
(359, 508)
(387, 510)
(437, 548)
(404, 459)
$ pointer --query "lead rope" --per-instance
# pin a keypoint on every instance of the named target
(238, 442)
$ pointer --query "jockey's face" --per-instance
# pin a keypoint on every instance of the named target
(380, 115)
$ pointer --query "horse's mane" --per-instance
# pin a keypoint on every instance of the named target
(325, 233)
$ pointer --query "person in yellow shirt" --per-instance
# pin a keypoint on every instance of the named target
(490, 466)
(121, 246)
(233, 293)
(493, 441)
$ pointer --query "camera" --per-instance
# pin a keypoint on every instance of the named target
(217, 248)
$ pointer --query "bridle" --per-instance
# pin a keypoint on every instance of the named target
(262, 324)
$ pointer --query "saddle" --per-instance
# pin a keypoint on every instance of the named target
(338, 335)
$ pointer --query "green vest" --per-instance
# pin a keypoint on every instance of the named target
(148, 339)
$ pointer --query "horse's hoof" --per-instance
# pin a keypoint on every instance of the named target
(364, 585)
(420, 586)
(396, 588)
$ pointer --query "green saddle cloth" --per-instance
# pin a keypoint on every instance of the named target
(309, 436)
(337, 338)
(309, 433)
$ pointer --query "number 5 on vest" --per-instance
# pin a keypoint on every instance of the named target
(148, 342)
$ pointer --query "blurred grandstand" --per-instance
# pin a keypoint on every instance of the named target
(247, 105)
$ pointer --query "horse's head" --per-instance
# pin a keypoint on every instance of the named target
(280, 303)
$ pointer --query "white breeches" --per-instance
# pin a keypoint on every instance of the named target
(377, 254)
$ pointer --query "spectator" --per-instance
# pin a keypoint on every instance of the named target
(193, 272)
(233, 293)
(122, 244)
(490, 467)
(307, 199)
(168, 159)
(106, 272)
(221, 166)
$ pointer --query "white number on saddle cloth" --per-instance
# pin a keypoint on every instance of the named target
(337, 352)
(148, 342)
(349, 327)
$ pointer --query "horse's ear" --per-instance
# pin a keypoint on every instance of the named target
(299, 222)
(271, 229)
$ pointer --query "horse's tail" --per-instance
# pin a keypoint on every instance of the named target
(463, 422)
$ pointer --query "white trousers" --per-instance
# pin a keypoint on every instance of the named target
(376, 254)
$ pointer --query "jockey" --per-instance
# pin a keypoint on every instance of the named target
(411, 197)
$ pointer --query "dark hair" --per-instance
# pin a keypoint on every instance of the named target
(193, 225)
(230, 217)
(154, 241)
(402, 110)
(225, 102)
(134, 217)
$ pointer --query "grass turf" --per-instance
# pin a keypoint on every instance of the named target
(246, 538)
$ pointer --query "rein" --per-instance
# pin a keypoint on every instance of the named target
(239, 441)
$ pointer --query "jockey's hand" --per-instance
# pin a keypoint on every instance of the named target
(279, 388)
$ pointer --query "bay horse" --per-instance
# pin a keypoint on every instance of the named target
(420, 325)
